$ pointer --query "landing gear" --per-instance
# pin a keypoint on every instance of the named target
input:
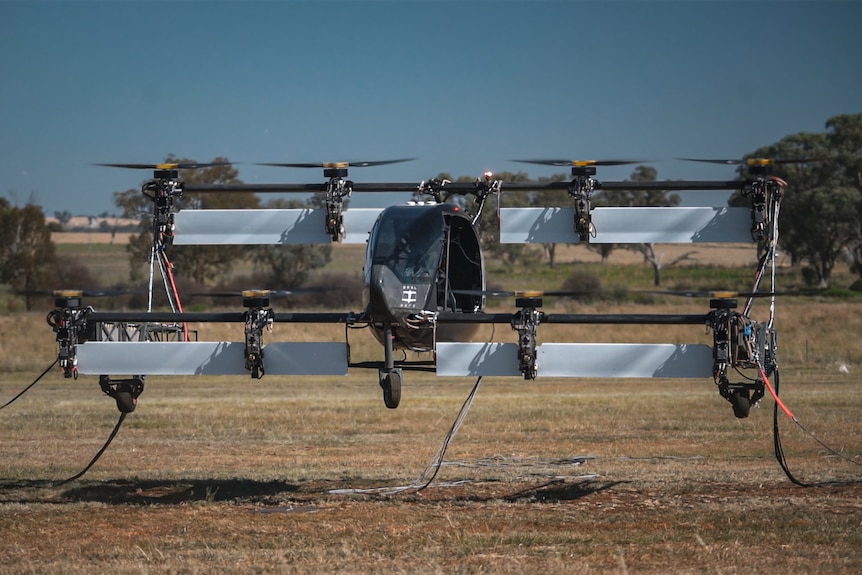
(390, 377)
(742, 396)
(124, 391)
(741, 403)
(391, 384)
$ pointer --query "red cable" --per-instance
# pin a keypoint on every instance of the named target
(169, 268)
(775, 395)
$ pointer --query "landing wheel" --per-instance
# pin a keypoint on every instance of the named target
(125, 402)
(741, 402)
(391, 384)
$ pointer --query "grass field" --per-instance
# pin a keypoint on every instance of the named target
(241, 476)
(297, 475)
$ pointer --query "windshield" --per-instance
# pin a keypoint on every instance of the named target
(409, 240)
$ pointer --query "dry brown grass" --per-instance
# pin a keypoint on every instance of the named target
(234, 475)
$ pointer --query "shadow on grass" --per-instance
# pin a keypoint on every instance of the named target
(144, 491)
(557, 491)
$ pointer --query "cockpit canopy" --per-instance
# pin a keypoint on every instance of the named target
(409, 241)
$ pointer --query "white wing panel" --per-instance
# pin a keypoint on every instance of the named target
(624, 360)
(599, 360)
(268, 227)
(633, 225)
(209, 358)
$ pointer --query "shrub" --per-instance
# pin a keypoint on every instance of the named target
(584, 286)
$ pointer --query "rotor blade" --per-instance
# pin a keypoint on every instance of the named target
(722, 294)
(753, 161)
(581, 163)
(270, 293)
(333, 164)
(166, 165)
(717, 294)
(80, 292)
(525, 293)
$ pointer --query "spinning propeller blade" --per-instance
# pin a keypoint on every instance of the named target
(717, 294)
(332, 164)
(167, 165)
(80, 292)
(524, 293)
(752, 161)
(581, 163)
(264, 292)
(723, 294)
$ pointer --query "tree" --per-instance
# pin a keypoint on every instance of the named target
(27, 253)
(821, 209)
(63, 217)
(647, 198)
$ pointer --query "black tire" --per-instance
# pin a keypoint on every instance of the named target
(741, 403)
(125, 402)
(391, 385)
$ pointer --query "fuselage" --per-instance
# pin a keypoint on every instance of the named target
(423, 259)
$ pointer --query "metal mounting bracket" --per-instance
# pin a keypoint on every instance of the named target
(581, 189)
(526, 323)
(258, 316)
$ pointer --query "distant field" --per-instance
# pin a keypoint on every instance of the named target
(84, 238)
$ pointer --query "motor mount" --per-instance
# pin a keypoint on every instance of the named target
(258, 316)
(69, 322)
(526, 322)
(739, 343)
(581, 189)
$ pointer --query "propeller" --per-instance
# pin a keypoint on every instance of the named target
(333, 164)
(720, 294)
(581, 163)
(262, 292)
(167, 165)
(80, 292)
(524, 293)
(716, 294)
(753, 162)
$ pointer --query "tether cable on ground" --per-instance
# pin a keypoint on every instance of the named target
(26, 389)
(779, 450)
(430, 472)
(99, 454)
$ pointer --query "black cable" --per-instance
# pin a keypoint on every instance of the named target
(779, 451)
(437, 462)
(23, 391)
(99, 454)
(776, 441)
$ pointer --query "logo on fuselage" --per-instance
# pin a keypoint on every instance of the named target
(408, 294)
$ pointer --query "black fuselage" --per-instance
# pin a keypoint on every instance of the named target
(423, 259)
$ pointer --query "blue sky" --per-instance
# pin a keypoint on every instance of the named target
(462, 86)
